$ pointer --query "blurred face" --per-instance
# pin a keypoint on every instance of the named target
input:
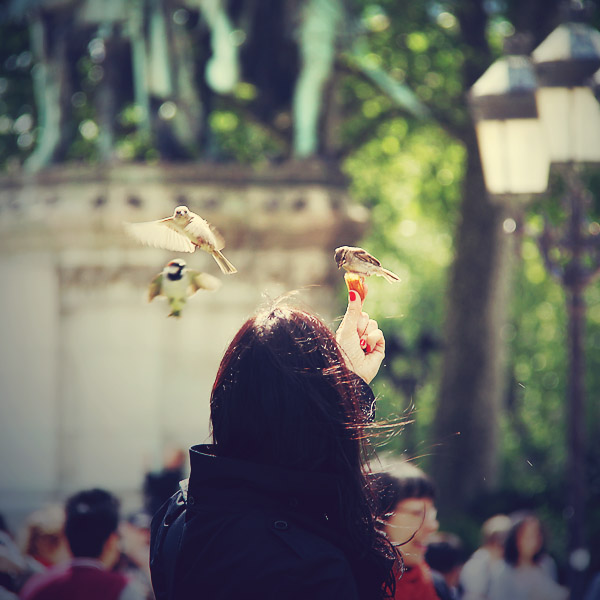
(529, 540)
(411, 526)
(49, 548)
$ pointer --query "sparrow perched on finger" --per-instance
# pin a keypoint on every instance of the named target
(177, 283)
(359, 262)
(184, 231)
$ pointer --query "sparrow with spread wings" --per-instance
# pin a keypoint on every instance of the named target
(184, 231)
(177, 283)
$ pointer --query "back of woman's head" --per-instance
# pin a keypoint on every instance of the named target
(281, 395)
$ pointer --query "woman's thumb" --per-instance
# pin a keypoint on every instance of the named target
(353, 311)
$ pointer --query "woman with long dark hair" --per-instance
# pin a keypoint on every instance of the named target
(528, 573)
(279, 505)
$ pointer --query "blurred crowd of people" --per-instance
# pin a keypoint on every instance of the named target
(87, 544)
(510, 564)
(86, 548)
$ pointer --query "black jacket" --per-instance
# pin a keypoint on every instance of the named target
(247, 531)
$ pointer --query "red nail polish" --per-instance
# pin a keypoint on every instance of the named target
(363, 344)
(352, 295)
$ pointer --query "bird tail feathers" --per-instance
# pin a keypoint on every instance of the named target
(223, 263)
(176, 306)
(388, 275)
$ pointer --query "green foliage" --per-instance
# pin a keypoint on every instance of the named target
(534, 439)
(413, 195)
(17, 113)
(243, 140)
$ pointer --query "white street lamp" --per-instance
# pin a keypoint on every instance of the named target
(569, 112)
(511, 141)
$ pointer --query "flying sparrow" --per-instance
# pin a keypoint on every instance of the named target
(358, 264)
(177, 283)
(183, 232)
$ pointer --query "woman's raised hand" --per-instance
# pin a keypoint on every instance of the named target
(360, 339)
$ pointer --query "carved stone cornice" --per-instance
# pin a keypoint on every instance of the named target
(294, 205)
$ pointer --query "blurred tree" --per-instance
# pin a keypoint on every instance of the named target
(447, 46)
(169, 58)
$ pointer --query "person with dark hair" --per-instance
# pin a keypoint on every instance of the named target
(406, 513)
(528, 572)
(278, 506)
(445, 557)
(91, 524)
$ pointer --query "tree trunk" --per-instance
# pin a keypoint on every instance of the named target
(472, 386)
(466, 423)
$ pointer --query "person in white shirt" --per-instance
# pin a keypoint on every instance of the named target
(477, 572)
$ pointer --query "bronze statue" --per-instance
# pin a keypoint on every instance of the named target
(165, 61)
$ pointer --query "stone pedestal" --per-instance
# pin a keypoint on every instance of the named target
(95, 381)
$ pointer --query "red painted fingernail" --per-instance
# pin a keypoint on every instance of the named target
(363, 344)
(352, 295)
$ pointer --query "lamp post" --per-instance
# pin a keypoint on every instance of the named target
(568, 120)
(570, 114)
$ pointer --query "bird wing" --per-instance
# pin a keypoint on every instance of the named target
(155, 287)
(366, 257)
(160, 234)
(203, 281)
(200, 229)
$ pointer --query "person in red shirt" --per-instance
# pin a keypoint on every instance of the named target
(91, 528)
(407, 514)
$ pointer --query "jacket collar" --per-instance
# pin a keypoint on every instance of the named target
(210, 470)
